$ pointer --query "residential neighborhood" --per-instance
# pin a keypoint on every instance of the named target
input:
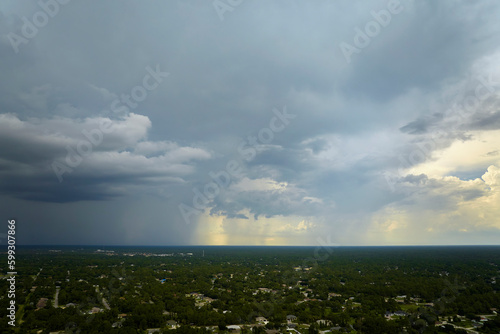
(259, 291)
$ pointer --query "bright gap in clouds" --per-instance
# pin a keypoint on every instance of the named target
(475, 154)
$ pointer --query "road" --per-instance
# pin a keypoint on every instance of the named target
(105, 303)
(103, 300)
(20, 310)
(56, 298)
(469, 330)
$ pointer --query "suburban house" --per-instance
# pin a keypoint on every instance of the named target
(172, 324)
(153, 330)
(323, 322)
(41, 303)
(234, 328)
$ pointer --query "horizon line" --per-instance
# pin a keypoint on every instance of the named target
(331, 246)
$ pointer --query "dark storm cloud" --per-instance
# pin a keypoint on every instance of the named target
(89, 164)
(487, 122)
(353, 120)
(424, 44)
(421, 125)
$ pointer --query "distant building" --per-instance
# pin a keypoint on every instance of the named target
(118, 324)
(272, 331)
(153, 330)
(389, 315)
(323, 322)
(172, 324)
(333, 294)
(41, 303)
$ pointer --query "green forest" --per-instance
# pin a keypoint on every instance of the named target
(255, 289)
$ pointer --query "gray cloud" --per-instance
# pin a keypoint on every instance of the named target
(353, 120)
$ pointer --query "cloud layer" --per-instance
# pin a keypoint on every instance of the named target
(113, 115)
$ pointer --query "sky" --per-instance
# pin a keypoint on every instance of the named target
(237, 122)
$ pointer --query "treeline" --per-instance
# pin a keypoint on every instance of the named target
(352, 287)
